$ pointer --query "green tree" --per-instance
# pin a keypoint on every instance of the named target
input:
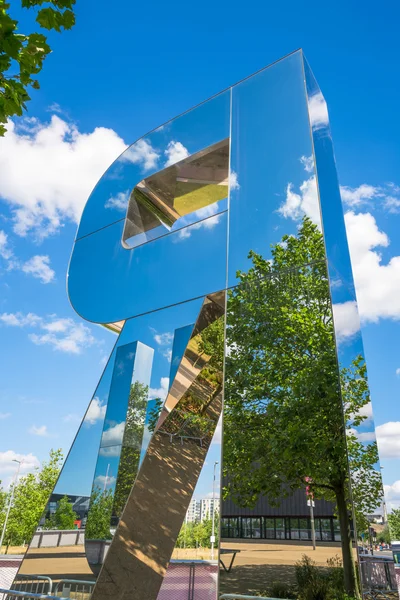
(30, 498)
(394, 524)
(131, 445)
(384, 535)
(99, 517)
(22, 55)
(64, 516)
(283, 407)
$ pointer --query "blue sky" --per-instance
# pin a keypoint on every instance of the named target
(122, 72)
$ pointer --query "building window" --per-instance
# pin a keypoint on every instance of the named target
(246, 527)
(269, 528)
(280, 528)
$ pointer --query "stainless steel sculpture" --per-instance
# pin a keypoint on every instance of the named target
(215, 248)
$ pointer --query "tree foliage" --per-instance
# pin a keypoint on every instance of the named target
(198, 535)
(99, 517)
(22, 55)
(132, 443)
(284, 418)
(64, 516)
(31, 494)
(394, 524)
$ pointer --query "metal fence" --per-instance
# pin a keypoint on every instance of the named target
(33, 584)
(378, 573)
(15, 594)
(73, 588)
(38, 586)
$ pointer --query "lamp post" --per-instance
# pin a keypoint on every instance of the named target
(213, 514)
(10, 501)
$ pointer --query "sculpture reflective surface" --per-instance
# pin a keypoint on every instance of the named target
(215, 248)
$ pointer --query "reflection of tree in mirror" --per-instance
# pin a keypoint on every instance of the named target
(190, 417)
(99, 516)
(131, 445)
(394, 523)
(283, 409)
(64, 516)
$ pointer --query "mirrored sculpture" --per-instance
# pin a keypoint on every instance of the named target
(223, 451)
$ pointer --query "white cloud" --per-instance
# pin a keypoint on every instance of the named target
(5, 250)
(366, 411)
(113, 436)
(160, 392)
(388, 195)
(359, 195)
(95, 412)
(175, 152)
(318, 111)
(209, 219)
(39, 266)
(377, 284)
(308, 163)
(364, 436)
(392, 204)
(392, 495)
(5, 415)
(8, 467)
(41, 431)
(64, 335)
(19, 319)
(306, 202)
(347, 320)
(118, 202)
(168, 354)
(388, 436)
(233, 181)
(164, 339)
(105, 481)
(73, 339)
(398, 371)
(111, 451)
(142, 153)
(60, 167)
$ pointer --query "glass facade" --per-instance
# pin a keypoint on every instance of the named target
(215, 247)
(277, 528)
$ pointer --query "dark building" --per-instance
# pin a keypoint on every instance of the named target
(289, 521)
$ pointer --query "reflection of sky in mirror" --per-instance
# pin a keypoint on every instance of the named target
(133, 363)
(156, 331)
(185, 264)
(346, 318)
(206, 124)
(271, 150)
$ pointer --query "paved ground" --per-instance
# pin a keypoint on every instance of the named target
(259, 565)
(67, 562)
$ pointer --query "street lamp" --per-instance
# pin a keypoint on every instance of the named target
(213, 514)
(10, 501)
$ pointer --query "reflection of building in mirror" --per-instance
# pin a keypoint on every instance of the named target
(183, 194)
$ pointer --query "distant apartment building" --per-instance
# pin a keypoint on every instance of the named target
(208, 505)
(193, 512)
(199, 510)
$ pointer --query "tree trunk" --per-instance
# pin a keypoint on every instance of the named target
(349, 567)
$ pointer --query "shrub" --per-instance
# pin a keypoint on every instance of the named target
(279, 589)
(315, 583)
